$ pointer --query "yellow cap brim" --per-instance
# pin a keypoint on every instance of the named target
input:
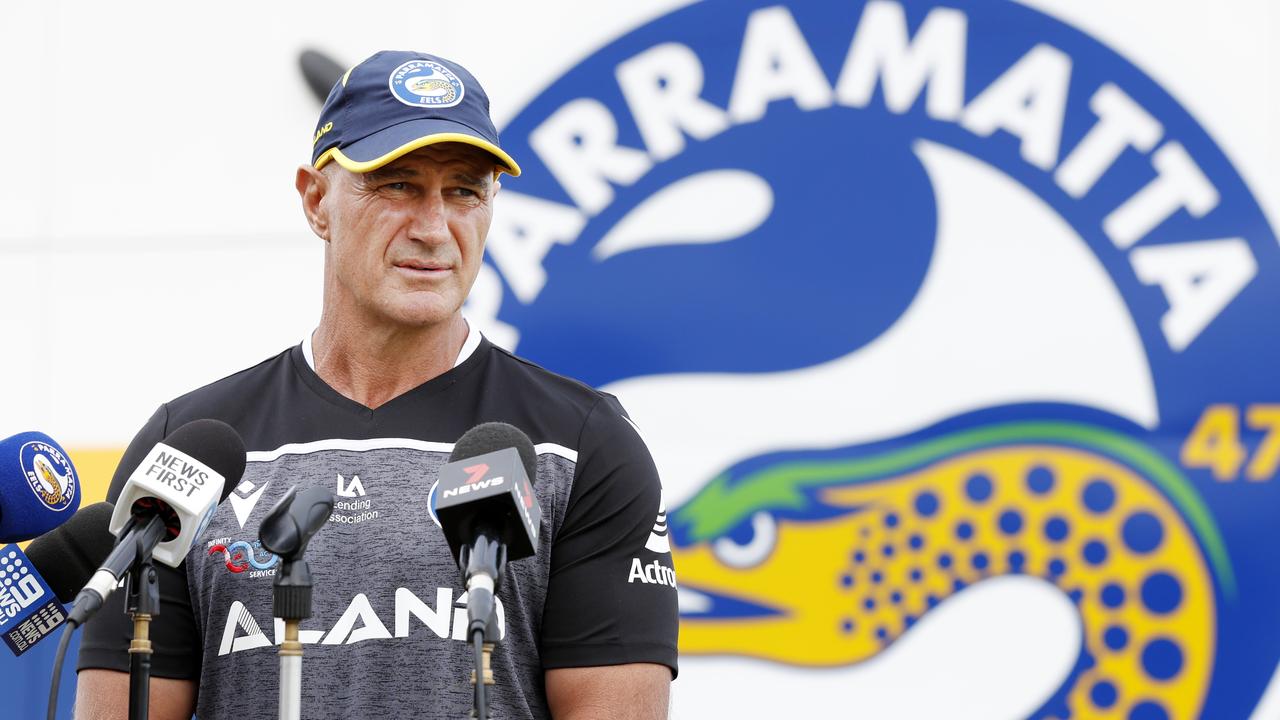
(505, 162)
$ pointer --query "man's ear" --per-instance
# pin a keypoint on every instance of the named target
(312, 186)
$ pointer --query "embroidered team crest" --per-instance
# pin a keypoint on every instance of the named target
(49, 474)
(426, 83)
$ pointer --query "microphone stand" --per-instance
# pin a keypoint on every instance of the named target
(285, 531)
(479, 709)
(291, 602)
(144, 604)
(482, 564)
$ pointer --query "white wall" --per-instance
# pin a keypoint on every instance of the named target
(148, 212)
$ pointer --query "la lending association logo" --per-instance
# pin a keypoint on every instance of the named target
(986, 292)
(354, 507)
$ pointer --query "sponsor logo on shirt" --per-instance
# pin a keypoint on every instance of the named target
(446, 619)
(352, 489)
(655, 573)
(242, 557)
(244, 498)
(658, 541)
(355, 510)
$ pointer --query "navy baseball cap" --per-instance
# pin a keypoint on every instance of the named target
(397, 101)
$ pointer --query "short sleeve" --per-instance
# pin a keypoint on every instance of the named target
(175, 638)
(611, 597)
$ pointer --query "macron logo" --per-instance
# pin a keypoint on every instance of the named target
(244, 499)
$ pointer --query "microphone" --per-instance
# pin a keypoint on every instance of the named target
(68, 555)
(488, 511)
(285, 532)
(55, 564)
(167, 503)
(39, 488)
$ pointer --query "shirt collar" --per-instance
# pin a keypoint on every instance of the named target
(468, 347)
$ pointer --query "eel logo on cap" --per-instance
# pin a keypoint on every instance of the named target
(49, 474)
(424, 83)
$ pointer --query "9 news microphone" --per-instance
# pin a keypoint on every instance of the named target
(487, 510)
(167, 503)
(57, 563)
(39, 488)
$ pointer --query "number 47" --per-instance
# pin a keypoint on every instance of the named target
(1215, 442)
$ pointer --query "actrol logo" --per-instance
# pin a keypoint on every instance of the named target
(659, 541)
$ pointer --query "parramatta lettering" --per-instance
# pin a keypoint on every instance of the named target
(662, 85)
(52, 452)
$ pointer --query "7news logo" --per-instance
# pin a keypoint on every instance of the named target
(475, 481)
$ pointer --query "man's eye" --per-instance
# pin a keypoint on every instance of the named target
(396, 186)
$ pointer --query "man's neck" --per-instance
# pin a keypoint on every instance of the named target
(373, 365)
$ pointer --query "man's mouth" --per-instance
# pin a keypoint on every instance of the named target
(422, 267)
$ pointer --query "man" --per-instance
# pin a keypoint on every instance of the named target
(400, 189)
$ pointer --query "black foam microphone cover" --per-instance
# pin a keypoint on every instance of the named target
(215, 444)
(491, 436)
(67, 556)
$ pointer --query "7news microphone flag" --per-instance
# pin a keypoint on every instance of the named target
(489, 515)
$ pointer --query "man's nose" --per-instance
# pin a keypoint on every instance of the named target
(430, 222)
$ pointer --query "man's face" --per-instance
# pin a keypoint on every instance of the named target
(406, 240)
